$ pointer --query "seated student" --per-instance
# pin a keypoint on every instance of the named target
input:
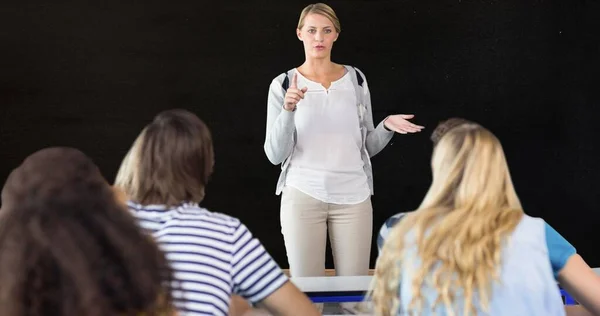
(567, 266)
(214, 256)
(68, 247)
(469, 248)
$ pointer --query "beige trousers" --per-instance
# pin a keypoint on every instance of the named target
(304, 225)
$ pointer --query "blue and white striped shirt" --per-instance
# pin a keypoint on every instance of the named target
(213, 256)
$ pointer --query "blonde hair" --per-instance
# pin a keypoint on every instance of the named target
(459, 228)
(322, 9)
(170, 162)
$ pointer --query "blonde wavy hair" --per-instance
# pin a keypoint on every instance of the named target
(459, 229)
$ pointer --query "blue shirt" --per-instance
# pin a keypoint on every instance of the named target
(526, 285)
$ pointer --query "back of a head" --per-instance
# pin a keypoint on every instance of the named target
(463, 220)
(69, 247)
(170, 162)
(445, 126)
(470, 170)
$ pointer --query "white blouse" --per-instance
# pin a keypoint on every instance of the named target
(326, 163)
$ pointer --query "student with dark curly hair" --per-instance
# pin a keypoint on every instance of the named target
(69, 247)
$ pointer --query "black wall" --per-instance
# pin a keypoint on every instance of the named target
(92, 74)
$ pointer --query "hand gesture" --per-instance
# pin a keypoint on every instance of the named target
(293, 95)
(399, 123)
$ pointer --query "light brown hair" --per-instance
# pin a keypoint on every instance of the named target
(170, 162)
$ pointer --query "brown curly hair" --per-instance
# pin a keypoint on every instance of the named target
(70, 248)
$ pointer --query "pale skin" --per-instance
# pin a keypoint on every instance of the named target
(583, 285)
(287, 300)
(318, 35)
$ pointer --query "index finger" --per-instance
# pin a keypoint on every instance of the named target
(294, 81)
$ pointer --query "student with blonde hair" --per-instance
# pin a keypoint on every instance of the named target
(469, 249)
(214, 256)
(567, 266)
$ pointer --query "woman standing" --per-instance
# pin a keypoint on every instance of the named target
(320, 128)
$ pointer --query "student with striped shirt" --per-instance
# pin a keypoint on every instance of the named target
(213, 255)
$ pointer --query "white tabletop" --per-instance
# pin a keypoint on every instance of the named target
(341, 283)
(333, 284)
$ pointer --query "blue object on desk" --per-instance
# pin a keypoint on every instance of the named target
(336, 297)
(333, 297)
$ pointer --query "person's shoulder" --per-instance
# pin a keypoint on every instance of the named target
(196, 211)
(355, 68)
(529, 230)
(558, 247)
(280, 78)
(531, 220)
(185, 213)
(281, 82)
(394, 219)
(387, 226)
(390, 222)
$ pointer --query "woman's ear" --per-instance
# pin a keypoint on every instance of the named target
(299, 34)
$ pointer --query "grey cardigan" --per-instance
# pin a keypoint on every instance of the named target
(280, 137)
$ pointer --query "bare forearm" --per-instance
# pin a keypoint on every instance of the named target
(289, 301)
(581, 283)
(577, 310)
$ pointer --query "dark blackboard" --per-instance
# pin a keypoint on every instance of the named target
(92, 74)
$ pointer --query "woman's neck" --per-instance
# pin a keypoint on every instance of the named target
(318, 67)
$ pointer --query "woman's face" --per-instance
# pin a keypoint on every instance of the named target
(318, 35)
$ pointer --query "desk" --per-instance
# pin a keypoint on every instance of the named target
(353, 288)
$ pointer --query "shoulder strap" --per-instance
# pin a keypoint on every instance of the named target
(358, 81)
(359, 77)
(286, 82)
(287, 77)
